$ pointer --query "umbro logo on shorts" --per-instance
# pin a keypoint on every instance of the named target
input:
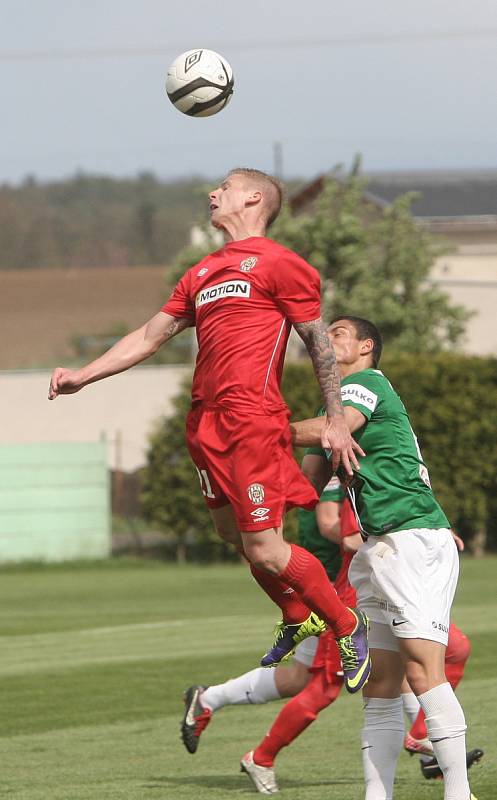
(260, 512)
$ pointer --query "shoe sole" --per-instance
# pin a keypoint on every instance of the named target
(247, 772)
(187, 735)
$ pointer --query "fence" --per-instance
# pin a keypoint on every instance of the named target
(54, 502)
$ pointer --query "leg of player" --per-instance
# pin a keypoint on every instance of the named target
(383, 728)
(298, 619)
(424, 662)
(456, 655)
(293, 719)
(326, 681)
(413, 711)
(226, 527)
(255, 687)
(302, 571)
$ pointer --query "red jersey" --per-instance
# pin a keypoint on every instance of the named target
(243, 300)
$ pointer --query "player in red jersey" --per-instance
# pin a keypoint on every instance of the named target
(325, 679)
(243, 300)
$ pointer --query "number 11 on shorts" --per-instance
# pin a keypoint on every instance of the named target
(205, 483)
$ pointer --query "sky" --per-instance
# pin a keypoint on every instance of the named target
(409, 85)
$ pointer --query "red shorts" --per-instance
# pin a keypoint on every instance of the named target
(247, 461)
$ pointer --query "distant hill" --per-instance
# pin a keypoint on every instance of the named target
(95, 221)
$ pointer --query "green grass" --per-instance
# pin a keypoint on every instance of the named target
(94, 658)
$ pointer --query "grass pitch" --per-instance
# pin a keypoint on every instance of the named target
(94, 659)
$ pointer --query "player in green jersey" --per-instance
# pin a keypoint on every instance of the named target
(406, 572)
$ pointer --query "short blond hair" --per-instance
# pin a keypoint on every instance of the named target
(272, 190)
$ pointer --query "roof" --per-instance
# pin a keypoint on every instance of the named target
(461, 193)
(457, 195)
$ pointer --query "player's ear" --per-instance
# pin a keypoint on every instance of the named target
(367, 347)
(254, 197)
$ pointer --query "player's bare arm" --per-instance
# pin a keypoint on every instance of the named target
(128, 351)
(309, 432)
(328, 520)
(335, 435)
(315, 336)
(317, 470)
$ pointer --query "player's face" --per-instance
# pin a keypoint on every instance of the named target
(229, 200)
(344, 339)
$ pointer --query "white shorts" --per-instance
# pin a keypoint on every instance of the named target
(306, 650)
(407, 581)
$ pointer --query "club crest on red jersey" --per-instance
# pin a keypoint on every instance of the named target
(256, 493)
(248, 263)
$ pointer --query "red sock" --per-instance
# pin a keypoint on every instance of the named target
(308, 577)
(293, 609)
(418, 729)
(296, 715)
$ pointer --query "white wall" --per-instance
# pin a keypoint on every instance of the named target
(123, 408)
(470, 279)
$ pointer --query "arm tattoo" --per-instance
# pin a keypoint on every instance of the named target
(316, 339)
(176, 325)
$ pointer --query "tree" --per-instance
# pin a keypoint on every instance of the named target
(375, 263)
(171, 497)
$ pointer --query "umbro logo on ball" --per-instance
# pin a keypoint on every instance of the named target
(192, 59)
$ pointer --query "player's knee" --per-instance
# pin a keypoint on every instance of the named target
(291, 680)
(416, 677)
(383, 683)
(263, 557)
(300, 679)
(422, 677)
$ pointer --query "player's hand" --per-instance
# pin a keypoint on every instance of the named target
(459, 542)
(337, 438)
(64, 381)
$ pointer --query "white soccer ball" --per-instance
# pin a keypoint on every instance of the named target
(199, 83)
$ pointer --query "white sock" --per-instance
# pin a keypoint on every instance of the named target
(256, 686)
(382, 739)
(446, 730)
(411, 706)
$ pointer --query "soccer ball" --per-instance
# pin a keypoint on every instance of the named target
(199, 83)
